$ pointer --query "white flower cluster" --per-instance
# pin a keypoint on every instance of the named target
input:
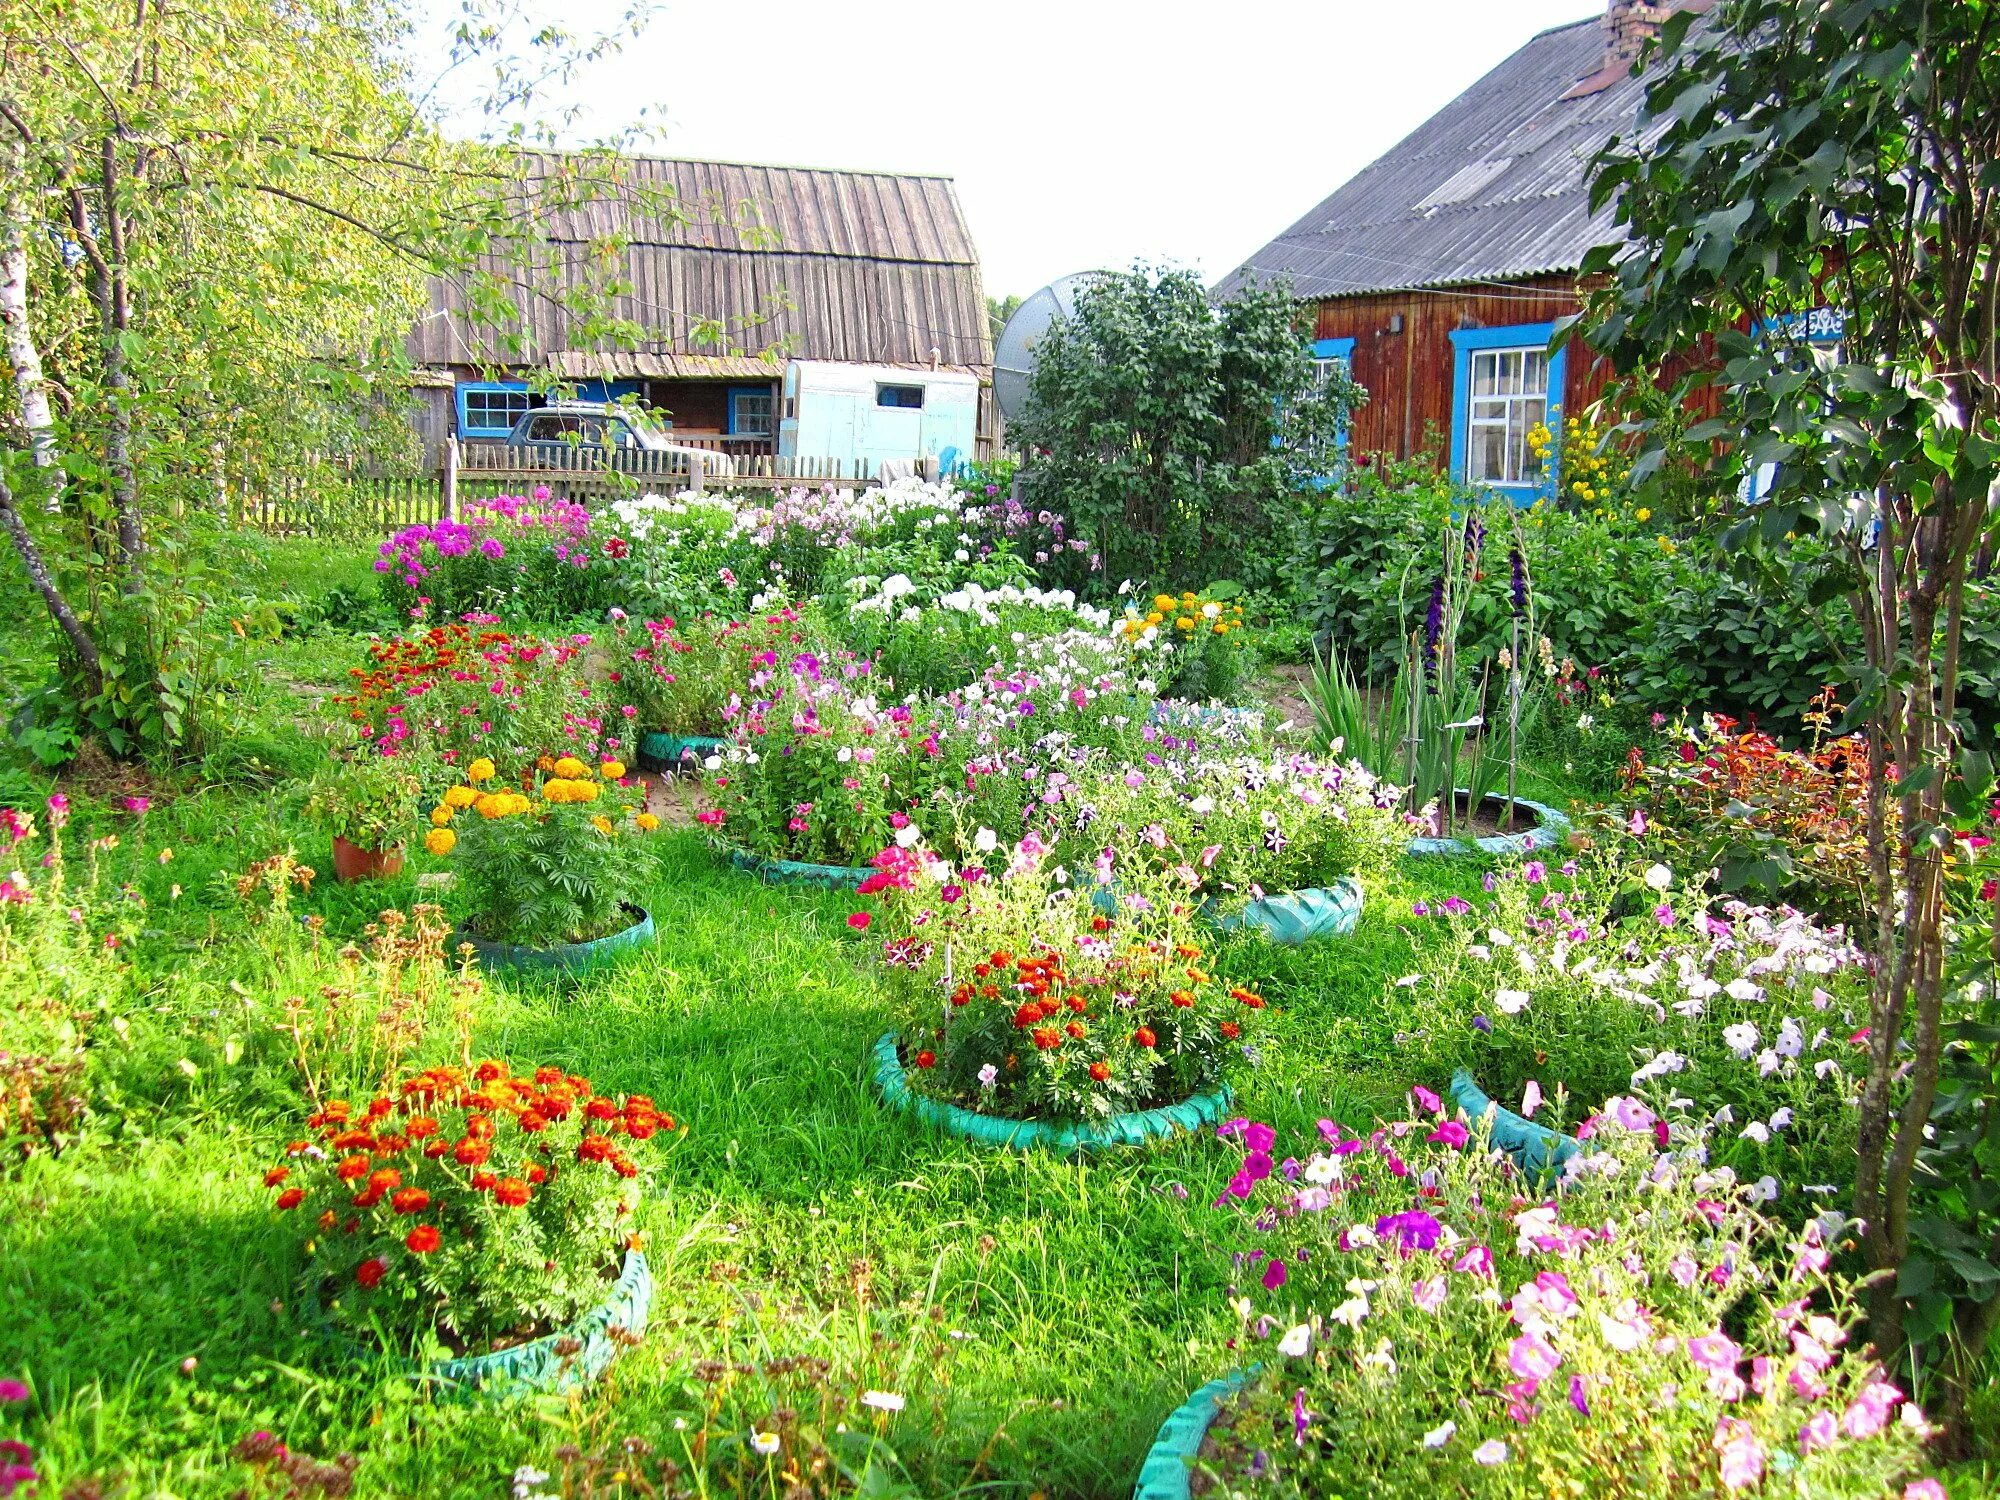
(639, 516)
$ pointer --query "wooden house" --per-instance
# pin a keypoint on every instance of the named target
(1438, 272)
(802, 268)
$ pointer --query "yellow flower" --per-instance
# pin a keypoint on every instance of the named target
(480, 770)
(460, 796)
(517, 803)
(1219, 628)
(647, 821)
(440, 816)
(1163, 602)
(1643, 513)
(601, 823)
(556, 789)
(1185, 622)
(586, 791)
(440, 840)
(545, 764)
(491, 805)
(571, 767)
(612, 769)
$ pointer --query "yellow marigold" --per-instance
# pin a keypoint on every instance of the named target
(611, 770)
(491, 805)
(440, 840)
(1154, 618)
(1163, 602)
(460, 796)
(571, 767)
(517, 803)
(647, 821)
(440, 816)
(1219, 628)
(601, 823)
(555, 789)
(480, 770)
(1189, 596)
(1185, 622)
(586, 791)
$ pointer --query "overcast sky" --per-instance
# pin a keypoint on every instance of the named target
(1082, 133)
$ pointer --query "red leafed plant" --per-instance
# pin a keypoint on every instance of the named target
(1774, 823)
(484, 1205)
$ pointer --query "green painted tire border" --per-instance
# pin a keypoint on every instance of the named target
(1265, 915)
(526, 1368)
(565, 958)
(1539, 1152)
(1546, 834)
(796, 872)
(1133, 1129)
(1165, 1473)
(669, 752)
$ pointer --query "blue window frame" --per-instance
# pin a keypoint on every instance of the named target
(1329, 354)
(490, 408)
(1505, 382)
(751, 411)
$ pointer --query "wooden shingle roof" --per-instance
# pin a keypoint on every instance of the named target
(870, 267)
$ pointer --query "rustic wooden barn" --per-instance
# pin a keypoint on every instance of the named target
(858, 267)
(1439, 269)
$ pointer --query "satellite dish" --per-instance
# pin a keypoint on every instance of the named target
(1014, 357)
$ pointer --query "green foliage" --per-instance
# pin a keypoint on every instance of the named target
(1165, 429)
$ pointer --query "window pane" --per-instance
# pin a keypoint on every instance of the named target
(1482, 374)
(1487, 460)
(1536, 380)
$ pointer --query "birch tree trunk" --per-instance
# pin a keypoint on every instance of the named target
(30, 386)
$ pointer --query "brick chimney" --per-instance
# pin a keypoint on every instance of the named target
(1628, 26)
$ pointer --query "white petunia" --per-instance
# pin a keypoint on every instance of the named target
(1659, 877)
(882, 1400)
(1439, 1435)
(1511, 1002)
(1296, 1342)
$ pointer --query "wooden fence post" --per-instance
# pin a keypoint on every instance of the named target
(451, 478)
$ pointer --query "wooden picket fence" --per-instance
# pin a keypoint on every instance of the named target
(347, 501)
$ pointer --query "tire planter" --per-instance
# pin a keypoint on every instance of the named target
(1164, 1475)
(1546, 834)
(524, 1368)
(1296, 917)
(1539, 1152)
(1133, 1129)
(676, 752)
(793, 872)
(351, 862)
(565, 958)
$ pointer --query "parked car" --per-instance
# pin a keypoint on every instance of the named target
(571, 426)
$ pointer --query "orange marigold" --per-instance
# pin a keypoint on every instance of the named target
(423, 1239)
(511, 1192)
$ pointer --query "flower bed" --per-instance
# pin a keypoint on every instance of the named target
(462, 1206)
(1133, 1128)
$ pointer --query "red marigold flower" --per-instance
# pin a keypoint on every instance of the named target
(385, 1180)
(291, 1197)
(546, 1075)
(533, 1120)
(1144, 1037)
(379, 1107)
(1075, 1029)
(423, 1239)
(538, 1173)
(367, 1199)
(435, 1149)
(369, 1272)
(859, 920)
(1047, 1038)
(276, 1175)
(351, 1168)
(594, 1148)
(927, 1059)
(471, 1153)
(411, 1200)
(421, 1127)
(1182, 998)
(511, 1191)
(623, 1167)
(643, 1128)
(489, 1070)
(1231, 1030)
(484, 1182)
(328, 1219)
(1100, 1071)
(600, 1109)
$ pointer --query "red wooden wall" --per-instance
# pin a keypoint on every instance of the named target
(1408, 374)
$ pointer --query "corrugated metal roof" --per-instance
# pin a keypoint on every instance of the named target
(1494, 187)
(871, 267)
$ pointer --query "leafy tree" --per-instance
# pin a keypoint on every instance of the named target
(218, 220)
(999, 310)
(1842, 155)
(1173, 433)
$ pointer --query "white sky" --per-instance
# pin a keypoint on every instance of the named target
(1082, 133)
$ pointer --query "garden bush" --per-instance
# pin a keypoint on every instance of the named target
(530, 555)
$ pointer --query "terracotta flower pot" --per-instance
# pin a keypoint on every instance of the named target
(352, 862)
